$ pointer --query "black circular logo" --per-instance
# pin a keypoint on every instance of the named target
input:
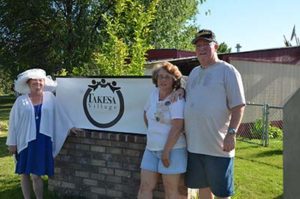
(103, 103)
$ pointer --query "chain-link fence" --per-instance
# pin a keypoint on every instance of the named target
(262, 123)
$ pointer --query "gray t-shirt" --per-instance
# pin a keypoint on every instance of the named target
(210, 93)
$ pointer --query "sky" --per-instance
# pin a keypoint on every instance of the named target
(254, 24)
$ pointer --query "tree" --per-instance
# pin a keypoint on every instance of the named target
(174, 25)
(123, 52)
(75, 35)
(6, 82)
(223, 48)
(50, 34)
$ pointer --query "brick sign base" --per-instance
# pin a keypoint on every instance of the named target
(101, 165)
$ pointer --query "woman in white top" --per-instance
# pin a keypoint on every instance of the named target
(165, 151)
(37, 129)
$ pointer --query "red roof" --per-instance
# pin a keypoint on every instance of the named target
(287, 55)
(160, 54)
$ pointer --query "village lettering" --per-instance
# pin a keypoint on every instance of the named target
(101, 99)
(102, 102)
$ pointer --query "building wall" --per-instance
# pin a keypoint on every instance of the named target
(267, 83)
(271, 83)
(100, 165)
(291, 147)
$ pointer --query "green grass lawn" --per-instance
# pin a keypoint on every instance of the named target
(9, 183)
(258, 170)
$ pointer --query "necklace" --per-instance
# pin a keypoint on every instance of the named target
(38, 101)
(37, 111)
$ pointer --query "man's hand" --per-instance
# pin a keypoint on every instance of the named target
(229, 142)
(178, 94)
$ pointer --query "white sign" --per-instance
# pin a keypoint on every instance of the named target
(106, 103)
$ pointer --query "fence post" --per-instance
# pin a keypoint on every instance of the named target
(265, 135)
(263, 126)
(267, 124)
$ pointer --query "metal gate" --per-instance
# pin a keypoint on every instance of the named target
(261, 123)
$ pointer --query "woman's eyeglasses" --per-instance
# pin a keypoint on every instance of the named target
(166, 77)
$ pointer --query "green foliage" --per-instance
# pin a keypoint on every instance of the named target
(174, 25)
(275, 132)
(258, 128)
(49, 34)
(223, 48)
(93, 37)
(62, 72)
(6, 82)
(123, 52)
(3, 126)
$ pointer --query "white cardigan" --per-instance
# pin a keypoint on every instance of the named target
(54, 122)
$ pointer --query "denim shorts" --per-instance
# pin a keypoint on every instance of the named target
(210, 171)
(152, 161)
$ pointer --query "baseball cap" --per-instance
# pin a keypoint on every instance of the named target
(206, 35)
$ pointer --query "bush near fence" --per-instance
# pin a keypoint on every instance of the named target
(261, 122)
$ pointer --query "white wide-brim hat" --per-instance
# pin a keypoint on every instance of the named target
(21, 86)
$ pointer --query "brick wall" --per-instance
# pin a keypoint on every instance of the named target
(100, 165)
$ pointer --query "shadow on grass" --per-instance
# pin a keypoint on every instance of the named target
(254, 142)
(5, 106)
(254, 146)
(13, 193)
(3, 148)
(7, 99)
(4, 113)
(10, 188)
(259, 162)
(270, 153)
(6, 103)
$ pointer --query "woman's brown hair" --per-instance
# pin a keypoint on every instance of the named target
(171, 69)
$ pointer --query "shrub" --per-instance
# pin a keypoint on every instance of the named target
(257, 130)
(275, 132)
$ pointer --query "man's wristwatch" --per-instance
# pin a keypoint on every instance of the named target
(232, 131)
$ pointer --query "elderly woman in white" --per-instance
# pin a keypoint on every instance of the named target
(165, 151)
(37, 130)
